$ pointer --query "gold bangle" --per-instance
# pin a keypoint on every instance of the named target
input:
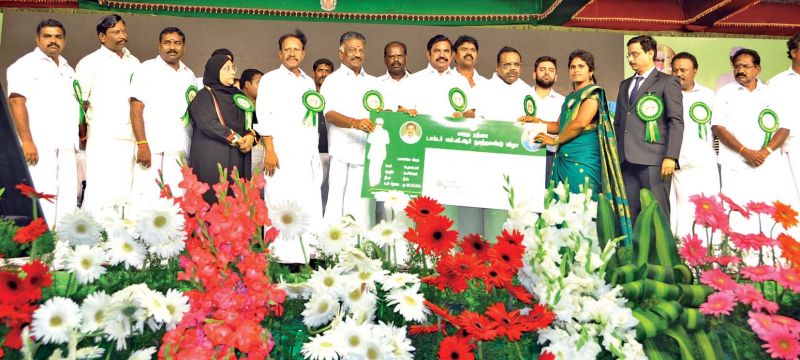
(556, 140)
(740, 150)
(141, 142)
(769, 149)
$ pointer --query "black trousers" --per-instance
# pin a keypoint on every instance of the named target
(637, 177)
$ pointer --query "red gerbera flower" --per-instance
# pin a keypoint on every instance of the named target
(426, 329)
(13, 289)
(546, 355)
(455, 348)
(509, 324)
(474, 244)
(37, 274)
(444, 314)
(30, 232)
(539, 317)
(423, 207)
(784, 214)
(497, 275)
(519, 292)
(448, 276)
(434, 236)
(514, 238)
(466, 266)
(31, 193)
(790, 248)
(477, 325)
(508, 254)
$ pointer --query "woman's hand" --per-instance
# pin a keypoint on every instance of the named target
(245, 143)
(544, 139)
(529, 119)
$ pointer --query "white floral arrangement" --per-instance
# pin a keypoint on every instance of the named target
(564, 267)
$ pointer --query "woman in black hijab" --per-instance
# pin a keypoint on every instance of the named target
(219, 135)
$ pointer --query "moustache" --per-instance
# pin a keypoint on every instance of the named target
(53, 45)
(354, 58)
(122, 42)
(172, 52)
(469, 57)
(442, 58)
(396, 64)
(740, 74)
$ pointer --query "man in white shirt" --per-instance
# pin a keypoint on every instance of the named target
(466, 57)
(395, 56)
(698, 173)
(159, 99)
(46, 114)
(548, 101)
(105, 76)
(751, 169)
(348, 126)
(787, 84)
(291, 159)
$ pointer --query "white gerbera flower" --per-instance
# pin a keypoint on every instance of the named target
(321, 347)
(358, 297)
(126, 315)
(356, 259)
(335, 238)
(400, 344)
(177, 305)
(143, 354)
(156, 305)
(79, 228)
(168, 249)
(90, 352)
(159, 222)
(328, 280)
(289, 218)
(86, 263)
(398, 280)
(320, 310)
(122, 248)
(393, 200)
(371, 350)
(296, 290)
(409, 303)
(350, 336)
(54, 321)
(387, 233)
(367, 277)
(93, 310)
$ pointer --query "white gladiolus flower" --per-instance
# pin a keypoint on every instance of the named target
(79, 228)
(55, 320)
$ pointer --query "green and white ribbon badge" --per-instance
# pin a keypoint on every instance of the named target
(191, 92)
(649, 108)
(314, 103)
(244, 103)
(76, 87)
(529, 106)
(373, 100)
(458, 99)
(768, 126)
(701, 115)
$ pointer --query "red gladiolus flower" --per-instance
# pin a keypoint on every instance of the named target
(513, 238)
(477, 325)
(30, 232)
(423, 207)
(31, 193)
(455, 348)
(434, 236)
(37, 274)
(546, 355)
(474, 244)
(508, 254)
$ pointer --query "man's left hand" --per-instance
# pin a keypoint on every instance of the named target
(667, 167)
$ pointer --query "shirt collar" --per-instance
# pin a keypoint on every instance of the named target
(647, 74)
(349, 71)
(40, 54)
(696, 88)
(759, 86)
(499, 80)
(791, 71)
(431, 70)
(303, 73)
(108, 52)
(550, 94)
(389, 76)
(181, 65)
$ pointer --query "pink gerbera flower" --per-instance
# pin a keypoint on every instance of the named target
(747, 294)
(708, 211)
(759, 322)
(782, 344)
(692, 250)
(788, 278)
(751, 241)
(718, 280)
(760, 273)
(719, 303)
(725, 260)
(766, 305)
(760, 208)
(734, 206)
(790, 323)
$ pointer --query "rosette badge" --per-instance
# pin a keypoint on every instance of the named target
(701, 115)
(244, 103)
(76, 87)
(529, 106)
(314, 103)
(769, 123)
(373, 100)
(458, 99)
(191, 93)
(649, 108)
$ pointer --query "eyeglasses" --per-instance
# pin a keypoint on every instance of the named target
(743, 66)
(230, 68)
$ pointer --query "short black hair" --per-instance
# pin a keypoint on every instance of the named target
(351, 35)
(223, 51)
(437, 38)
(687, 56)
(751, 52)
(171, 30)
(393, 43)
(646, 42)
(323, 61)
(545, 58)
(466, 39)
(296, 34)
(50, 23)
(248, 75)
(107, 22)
(507, 49)
(792, 44)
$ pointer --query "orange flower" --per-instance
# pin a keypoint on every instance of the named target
(785, 215)
(790, 248)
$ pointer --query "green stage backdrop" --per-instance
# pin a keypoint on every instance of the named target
(712, 55)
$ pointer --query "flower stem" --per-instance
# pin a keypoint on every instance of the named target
(519, 352)
(303, 247)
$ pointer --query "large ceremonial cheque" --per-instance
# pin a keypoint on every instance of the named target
(462, 162)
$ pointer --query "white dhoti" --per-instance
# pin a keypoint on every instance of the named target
(298, 179)
(344, 193)
(685, 183)
(56, 173)
(145, 185)
(793, 159)
(109, 171)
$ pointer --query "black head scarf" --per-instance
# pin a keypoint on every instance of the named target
(211, 75)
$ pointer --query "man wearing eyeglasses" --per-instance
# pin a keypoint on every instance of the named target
(104, 77)
(751, 125)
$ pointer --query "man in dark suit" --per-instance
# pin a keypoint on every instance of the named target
(649, 126)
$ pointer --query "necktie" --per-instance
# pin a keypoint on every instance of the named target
(635, 89)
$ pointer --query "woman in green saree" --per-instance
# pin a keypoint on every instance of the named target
(586, 152)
